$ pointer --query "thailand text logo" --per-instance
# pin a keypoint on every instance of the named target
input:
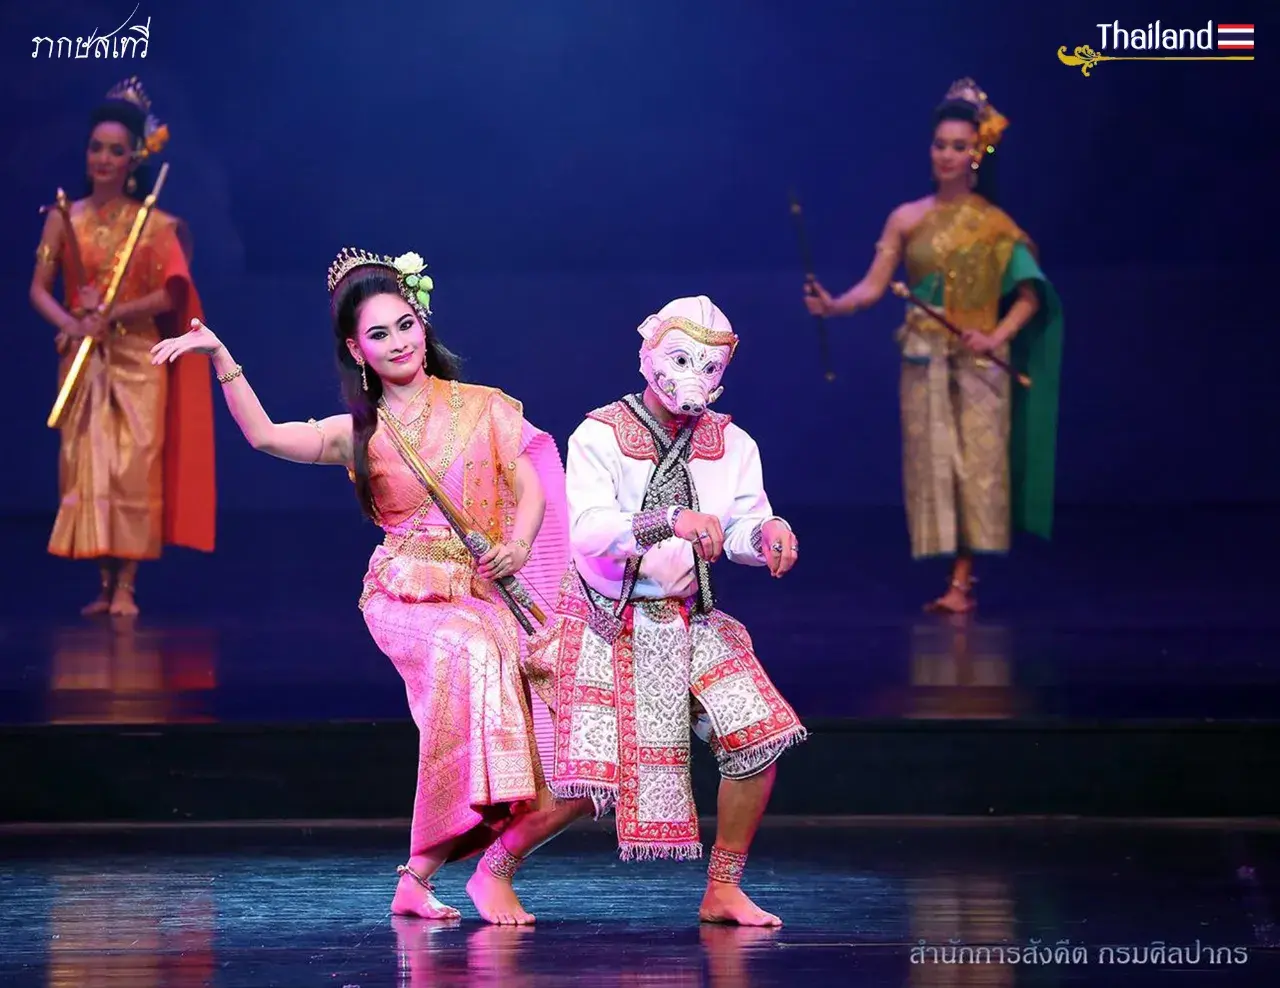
(1180, 44)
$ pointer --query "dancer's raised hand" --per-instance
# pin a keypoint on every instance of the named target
(200, 339)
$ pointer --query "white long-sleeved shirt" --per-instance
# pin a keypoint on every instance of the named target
(608, 466)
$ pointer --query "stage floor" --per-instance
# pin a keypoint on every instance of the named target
(245, 909)
(1126, 616)
(1130, 668)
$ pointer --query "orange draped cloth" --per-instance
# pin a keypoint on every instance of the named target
(136, 466)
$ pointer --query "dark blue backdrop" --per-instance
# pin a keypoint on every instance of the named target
(567, 167)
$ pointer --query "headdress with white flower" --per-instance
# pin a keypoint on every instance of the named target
(411, 266)
(415, 286)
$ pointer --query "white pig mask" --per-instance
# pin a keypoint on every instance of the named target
(687, 345)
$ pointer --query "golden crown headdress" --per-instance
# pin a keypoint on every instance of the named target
(991, 122)
(131, 91)
(155, 135)
(415, 286)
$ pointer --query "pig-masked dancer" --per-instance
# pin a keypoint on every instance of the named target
(639, 658)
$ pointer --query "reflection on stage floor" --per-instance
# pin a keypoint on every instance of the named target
(937, 906)
(326, 669)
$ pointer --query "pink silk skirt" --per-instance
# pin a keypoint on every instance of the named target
(458, 649)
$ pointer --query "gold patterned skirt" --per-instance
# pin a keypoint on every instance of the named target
(458, 650)
(956, 415)
(111, 461)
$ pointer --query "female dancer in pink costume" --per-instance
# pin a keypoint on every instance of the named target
(432, 608)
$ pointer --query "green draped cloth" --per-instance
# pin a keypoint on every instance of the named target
(1037, 352)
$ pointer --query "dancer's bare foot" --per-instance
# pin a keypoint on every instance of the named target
(122, 602)
(494, 897)
(415, 896)
(955, 601)
(725, 903)
(106, 576)
(99, 606)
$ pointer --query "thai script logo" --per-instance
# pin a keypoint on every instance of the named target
(132, 43)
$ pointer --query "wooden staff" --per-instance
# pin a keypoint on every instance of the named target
(512, 590)
(903, 292)
(807, 259)
(108, 299)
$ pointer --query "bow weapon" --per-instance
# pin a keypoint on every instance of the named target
(807, 259)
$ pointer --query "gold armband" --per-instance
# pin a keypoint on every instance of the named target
(45, 253)
(886, 248)
(319, 453)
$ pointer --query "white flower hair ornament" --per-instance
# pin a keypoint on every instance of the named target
(410, 267)
(415, 286)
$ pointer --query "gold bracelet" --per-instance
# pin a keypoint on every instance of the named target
(230, 375)
(528, 549)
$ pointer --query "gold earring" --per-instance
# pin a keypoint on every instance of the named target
(364, 381)
(131, 185)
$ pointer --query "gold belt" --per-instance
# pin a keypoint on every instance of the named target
(921, 321)
(424, 545)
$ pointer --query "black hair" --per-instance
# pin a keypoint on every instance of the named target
(353, 291)
(132, 117)
(963, 110)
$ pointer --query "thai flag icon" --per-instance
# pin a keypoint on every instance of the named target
(1236, 36)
